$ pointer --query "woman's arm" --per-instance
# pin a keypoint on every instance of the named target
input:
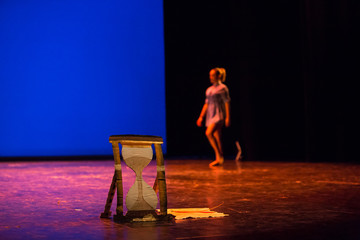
(202, 114)
(227, 110)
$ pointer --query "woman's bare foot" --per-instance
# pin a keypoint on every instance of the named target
(214, 163)
(219, 161)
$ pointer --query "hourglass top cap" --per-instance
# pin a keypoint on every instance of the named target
(136, 138)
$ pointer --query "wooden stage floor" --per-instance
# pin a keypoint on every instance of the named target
(264, 200)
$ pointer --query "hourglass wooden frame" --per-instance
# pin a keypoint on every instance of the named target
(135, 141)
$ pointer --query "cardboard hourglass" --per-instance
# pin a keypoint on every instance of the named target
(141, 200)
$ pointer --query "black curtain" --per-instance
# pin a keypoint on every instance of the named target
(289, 66)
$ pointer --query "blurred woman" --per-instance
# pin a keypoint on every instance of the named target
(217, 111)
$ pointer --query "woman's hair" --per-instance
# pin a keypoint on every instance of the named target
(221, 73)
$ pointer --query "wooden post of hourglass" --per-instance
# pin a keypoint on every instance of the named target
(141, 199)
(115, 184)
(160, 179)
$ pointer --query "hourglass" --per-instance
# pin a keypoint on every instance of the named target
(141, 199)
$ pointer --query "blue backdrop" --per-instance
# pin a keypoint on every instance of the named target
(74, 72)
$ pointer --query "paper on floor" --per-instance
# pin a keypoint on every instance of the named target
(182, 213)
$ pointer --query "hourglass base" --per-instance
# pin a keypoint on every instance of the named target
(141, 214)
(119, 218)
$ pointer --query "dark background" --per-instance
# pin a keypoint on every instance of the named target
(290, 71)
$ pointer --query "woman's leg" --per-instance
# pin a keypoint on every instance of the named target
(213, 133)
(217, 136)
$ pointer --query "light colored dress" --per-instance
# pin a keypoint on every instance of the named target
(216, 97)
